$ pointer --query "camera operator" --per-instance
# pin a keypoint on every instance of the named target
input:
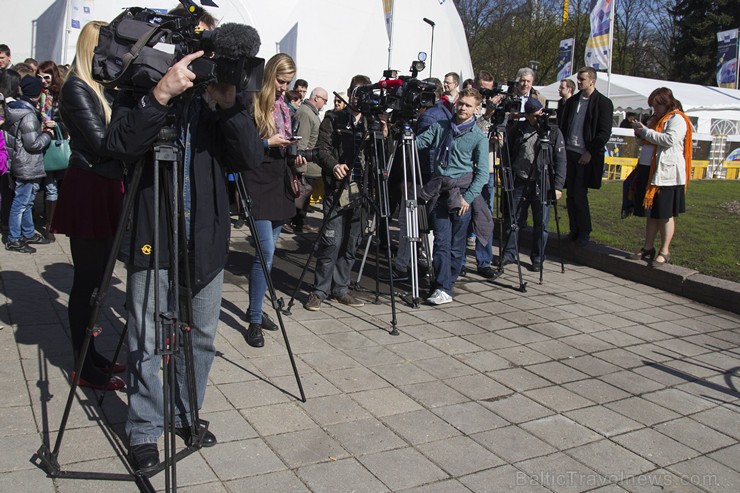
(216, 130)
(525, 158)
(484, 81)
(340, 138)
(460, 157)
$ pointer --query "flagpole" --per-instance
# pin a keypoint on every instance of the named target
(390, 35)
(611, 46)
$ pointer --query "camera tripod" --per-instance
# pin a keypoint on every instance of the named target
(355, 201)
(547, 191)
(505, 201)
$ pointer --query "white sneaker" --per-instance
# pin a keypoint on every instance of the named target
(439, 297)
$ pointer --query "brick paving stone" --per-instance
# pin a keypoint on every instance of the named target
(347, 340)
(478, 387)
(652, 353)
(355, 379)
(708, 474)
(586, 343)
(560, 432)
(557, 372)
(596, 390)
(405, 373)
(695, 435)
(522, 355)
(676, 328)
(682, 347)
(617, 337)
(558, 398)
(445, 486)
(445, 367)
(385, 401)
(416, 350)
(553, 330)
(314, 385)
(461, 328)
(504, 478)
(420, 426)
(513, 444)
(424, 332)
(655, 447)
(365, 436)
(609, 459)
(519, 379)
(484, 361)
(555, 349)
(252, 394)
(343, 475)
(522, 318)
(300, 448)
(433, 394)
(678, 401)
(371, 356)
(402, 468)
(285, 481)
(459, 456)
(561, 473)
(228, 460)
(659, 481)
(470, 417)
(721, 419)
(454, 345)
(233, 421)
(522, 335)
(334, 409)
(604, 421)
(642, 411)
(729, 456)
(622, 357)
(279, 418)
(490, 341)
(660, 374)
(591, 366)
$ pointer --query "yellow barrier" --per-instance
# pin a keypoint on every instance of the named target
(732, 170)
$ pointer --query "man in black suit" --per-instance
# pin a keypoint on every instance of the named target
(586, 126)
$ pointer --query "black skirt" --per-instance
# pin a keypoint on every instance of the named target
(642, 175)
(668, 202)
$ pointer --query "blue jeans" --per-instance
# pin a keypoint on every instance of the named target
(450, 236)
(337, 246)
(526, 194)
(267, 232)
(484, 254)
(20, 222)
(145, 413)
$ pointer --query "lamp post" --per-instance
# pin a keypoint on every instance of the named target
(431, 50)
(534, 65)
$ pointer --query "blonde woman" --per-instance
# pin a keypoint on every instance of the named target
(268, 183)
(89, 201)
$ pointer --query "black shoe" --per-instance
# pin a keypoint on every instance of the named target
(238, 224)
(37, 239)
(144, 457)
(572, 236)
(582, 240)
(507, 261)
(487, 272)
(19, 246)
(397, 275)
(254, 336)
(267, 323)
(186, 433)
(535, 267)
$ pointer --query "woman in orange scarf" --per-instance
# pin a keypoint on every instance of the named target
(667, 150)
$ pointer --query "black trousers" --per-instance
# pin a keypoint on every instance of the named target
(576, 180)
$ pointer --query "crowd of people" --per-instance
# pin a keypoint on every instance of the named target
(266, 137)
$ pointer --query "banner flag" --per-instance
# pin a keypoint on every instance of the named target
(388, 9)
(565, 58)
(597, 46)
(81, 13)
(727, 49)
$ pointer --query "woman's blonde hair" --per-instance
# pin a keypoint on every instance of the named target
(82, 64)
(280, 64)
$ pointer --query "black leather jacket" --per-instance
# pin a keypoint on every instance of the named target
(82, 113)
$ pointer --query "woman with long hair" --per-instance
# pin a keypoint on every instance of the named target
(268, 183)
(49, 74)
(663, 173)
(90, 201)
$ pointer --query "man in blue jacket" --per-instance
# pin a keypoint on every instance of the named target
(459, 154)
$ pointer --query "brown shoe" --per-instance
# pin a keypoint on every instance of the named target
(288, 229)
(314, 303)
(349, 300)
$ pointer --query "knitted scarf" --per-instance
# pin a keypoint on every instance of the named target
(443, 152)
(687, 153)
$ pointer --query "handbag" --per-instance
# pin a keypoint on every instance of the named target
(294, 182)
(57, 155)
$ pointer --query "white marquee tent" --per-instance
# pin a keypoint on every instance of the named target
(709, 104)
(330, 40)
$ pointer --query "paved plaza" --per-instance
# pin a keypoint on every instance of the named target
(588, 382)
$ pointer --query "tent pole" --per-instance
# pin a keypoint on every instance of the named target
(611, 49)
(65, 33)
(390, 37)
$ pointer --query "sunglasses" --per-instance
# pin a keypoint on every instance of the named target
(45, 77)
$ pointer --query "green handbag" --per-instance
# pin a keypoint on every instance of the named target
(57, 155)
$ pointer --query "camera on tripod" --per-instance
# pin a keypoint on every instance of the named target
(404, 95)
(135, 50)
(549, 115)
(510, 101)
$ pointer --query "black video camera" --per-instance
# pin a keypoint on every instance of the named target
(135, 50)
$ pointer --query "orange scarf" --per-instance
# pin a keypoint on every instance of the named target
(687, 153)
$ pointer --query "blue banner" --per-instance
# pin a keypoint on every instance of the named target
(727, 58)
(565, 58)
(597, 46)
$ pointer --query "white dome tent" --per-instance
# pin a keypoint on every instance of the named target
(330, 40)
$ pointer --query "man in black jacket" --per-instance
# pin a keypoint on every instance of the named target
(340, 156)
(216, 130)
(586, 126)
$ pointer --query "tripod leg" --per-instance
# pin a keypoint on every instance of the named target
(277, 303)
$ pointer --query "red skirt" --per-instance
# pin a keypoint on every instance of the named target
(89, 205)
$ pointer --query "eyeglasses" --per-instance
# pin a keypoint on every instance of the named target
(322, 97)
(45, 77)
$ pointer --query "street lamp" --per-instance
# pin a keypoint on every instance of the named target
(431, 51)
(534, 65)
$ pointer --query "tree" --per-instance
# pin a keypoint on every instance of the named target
(694, 47)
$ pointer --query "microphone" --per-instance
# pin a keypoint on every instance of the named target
(390, 83)
(234, 40)
(429, 21)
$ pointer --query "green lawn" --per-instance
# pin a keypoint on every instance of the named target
(707, 237)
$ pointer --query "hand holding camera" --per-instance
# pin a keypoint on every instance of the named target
(177, 80)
